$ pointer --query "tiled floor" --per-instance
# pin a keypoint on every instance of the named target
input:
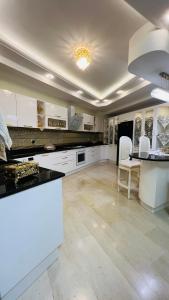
(114, 249)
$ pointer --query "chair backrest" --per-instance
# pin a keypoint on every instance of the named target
(144, 145)
(125, 147)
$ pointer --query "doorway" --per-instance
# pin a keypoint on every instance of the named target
(124, 129)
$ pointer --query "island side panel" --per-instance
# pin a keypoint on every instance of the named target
(154, 184)
(31, 229)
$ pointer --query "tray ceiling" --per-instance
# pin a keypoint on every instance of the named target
(41, 36)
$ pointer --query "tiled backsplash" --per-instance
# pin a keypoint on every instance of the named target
(26, 137)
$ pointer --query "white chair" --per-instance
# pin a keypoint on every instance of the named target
(125, 164)
(144, 145)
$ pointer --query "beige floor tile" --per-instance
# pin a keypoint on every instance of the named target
(41, 289)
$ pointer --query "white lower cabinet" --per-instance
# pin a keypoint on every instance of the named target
(65, 161)
(104, 152)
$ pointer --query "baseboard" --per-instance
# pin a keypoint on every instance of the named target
(90, 165)
(152, 209)
(29, 279)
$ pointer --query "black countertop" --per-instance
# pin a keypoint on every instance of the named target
(150, 157)
(8, 188)
(24, 152)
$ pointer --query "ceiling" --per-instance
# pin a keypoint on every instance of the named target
(38, 36)
(156, 11)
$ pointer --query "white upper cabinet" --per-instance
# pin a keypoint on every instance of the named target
(56, 111)
(87, 123)
(26, 111)
(52, 116)
(88, 119)
(99, 124)
(8, 108)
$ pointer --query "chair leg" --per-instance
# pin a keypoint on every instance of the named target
(129, 184)
(118, 179)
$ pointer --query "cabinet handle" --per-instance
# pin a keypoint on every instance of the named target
(64, 164)
(28, 126)
(65, 157)
(45, 154)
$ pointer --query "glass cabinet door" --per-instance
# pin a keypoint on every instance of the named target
(137, 128)
(148, 127)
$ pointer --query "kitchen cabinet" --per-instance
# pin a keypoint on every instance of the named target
(56, 111)
(65, 161)
(26, 111)
(104, 152)
(87, 123)
(32, 230)
(99, 124)
(92, 154)
(52, 116)
(8, 107)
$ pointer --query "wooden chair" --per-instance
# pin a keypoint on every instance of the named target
(125, 164)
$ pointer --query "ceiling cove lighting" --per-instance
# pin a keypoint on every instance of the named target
(50, 76)
(83, 57)
(160, 94)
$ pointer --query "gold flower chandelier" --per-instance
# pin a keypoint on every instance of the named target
(83, 57)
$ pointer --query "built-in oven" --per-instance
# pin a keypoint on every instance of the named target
(80, 157)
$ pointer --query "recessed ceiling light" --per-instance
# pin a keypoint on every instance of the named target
(79, 92)
(166, 17)
(7, 92)
(120, 92)
(49, 76)
(160, 94)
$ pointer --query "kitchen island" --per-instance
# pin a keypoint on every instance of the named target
(31, 229)
(154, 180)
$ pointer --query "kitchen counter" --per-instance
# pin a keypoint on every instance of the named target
(31, 151)
(8, 188)
(154, 180)
(150, 157)
(31, 230)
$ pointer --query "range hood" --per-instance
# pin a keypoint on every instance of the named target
(74, 119)
(149, 53)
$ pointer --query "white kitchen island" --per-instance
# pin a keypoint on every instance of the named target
(154, 180)
(31, 230)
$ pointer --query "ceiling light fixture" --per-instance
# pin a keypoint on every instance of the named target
(120, 92)
(160, 94)
(166, 17)
(83, 57)
(79, 92)
(50, 76)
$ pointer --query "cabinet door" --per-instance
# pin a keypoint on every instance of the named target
(99, 126)
(104, 152)
(61, 112)
(91, 120)
(26, 111)
(86, 119)
(49, 109)
(8, 108)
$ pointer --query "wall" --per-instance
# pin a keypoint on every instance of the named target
(22, 137)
